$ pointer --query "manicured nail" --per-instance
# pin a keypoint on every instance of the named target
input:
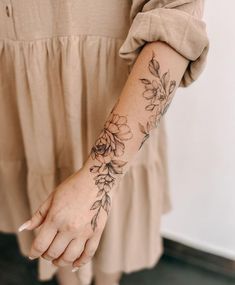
(24, 226)
(75, 269)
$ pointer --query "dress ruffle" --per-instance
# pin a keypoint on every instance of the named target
(52, 109)
(178, 23)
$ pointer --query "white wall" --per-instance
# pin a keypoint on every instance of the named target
(201, 139)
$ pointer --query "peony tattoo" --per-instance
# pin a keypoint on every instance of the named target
(159, 93)
(106, 152)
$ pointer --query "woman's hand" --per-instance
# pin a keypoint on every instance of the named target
(65, 234)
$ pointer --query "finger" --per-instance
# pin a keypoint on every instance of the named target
(38, 217)
(58, 246)
(88, 252)
(43, 240)
(71, 253)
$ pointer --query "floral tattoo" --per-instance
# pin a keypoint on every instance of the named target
(109, 146)
(107, 149)
(159, 93)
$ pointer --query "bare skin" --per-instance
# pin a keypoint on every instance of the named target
(71, 221)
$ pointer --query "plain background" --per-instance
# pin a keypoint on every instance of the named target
(201, 145)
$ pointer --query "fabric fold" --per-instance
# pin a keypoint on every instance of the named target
(178, 23)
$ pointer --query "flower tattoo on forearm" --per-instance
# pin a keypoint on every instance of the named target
(106, 151)
(159, 93)
(109, 146)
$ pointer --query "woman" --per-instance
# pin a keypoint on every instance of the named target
(83, 87)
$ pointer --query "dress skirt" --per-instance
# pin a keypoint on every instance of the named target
(63, 65)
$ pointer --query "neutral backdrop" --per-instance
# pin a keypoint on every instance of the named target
(201, 145)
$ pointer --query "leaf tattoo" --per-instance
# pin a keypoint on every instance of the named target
(108, 147)
(159, 93)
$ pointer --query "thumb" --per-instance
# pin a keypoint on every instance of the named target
(38, 217)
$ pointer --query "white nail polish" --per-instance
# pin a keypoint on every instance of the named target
(24, 226)
(75, 269)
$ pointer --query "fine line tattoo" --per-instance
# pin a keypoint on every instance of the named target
(106, 151)
(159, 93)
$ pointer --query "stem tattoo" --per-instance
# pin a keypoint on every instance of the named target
(159, 93)
(106, 151)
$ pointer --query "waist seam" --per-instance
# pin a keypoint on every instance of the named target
(61, 37)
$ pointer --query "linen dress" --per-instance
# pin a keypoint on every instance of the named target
(63, 64)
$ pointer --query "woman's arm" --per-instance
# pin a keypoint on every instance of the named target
(71, 221)
(145, 98)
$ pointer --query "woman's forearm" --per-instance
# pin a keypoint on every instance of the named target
(144, 99)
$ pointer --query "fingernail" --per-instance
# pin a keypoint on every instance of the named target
(24, 226)
(75, 269)
(31, 258)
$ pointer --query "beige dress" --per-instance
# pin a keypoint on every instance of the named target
(63, 63)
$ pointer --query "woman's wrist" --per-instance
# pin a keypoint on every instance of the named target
(100, 183)
(102, 176)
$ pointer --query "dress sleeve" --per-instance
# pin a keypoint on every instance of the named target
(178, 23)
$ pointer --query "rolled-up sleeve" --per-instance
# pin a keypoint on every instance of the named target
(178, 23)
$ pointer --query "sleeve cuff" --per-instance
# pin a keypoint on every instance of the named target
(179, 29)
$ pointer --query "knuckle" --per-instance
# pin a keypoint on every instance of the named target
(72, 227)
(88, 231)
(55, 218)
(38, 246)
(90, 252)
(51, 254)
(66, 259)
(98, 230)
(70, 256)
